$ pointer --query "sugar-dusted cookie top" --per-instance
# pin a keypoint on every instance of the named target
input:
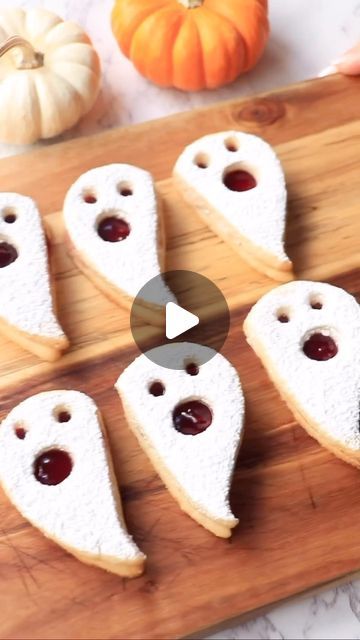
(192, 418)
(25, 289)
(240, 176)
(112, 219)
(54, 467)
(308, 337)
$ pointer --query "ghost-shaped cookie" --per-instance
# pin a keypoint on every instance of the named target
(27, 313)
(307, 335)
(235, 182)
(188, 417)
(56, 469)
(114, 223)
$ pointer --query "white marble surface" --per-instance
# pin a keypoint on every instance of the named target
(306, 36)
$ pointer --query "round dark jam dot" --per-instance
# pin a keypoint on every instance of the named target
(113, 229)
(20, 433)
(63, 416)
(10, 218)
(8, 254)
(126, 192)
(320, 347)
(52, 467)
(283, 318)
(192, 369)
(192, 417)
(316, 305)
(157, 389)
(89, 198)
(239, 180)
(201, 165)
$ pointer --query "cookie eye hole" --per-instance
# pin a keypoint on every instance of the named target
(125, 189)
(9, 215)
(156, 389)
(231, 144)
(202, 160)
(62, 414)
(20, 431)
(315, 303)
(192, 369)
(89, 197)
(283, 316)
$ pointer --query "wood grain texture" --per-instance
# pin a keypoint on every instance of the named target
(298, 506)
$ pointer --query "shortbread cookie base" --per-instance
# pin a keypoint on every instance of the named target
(152, 314)
(120, 566)
(49, 349)
(259, 259)
(220, 528)
(313, 429)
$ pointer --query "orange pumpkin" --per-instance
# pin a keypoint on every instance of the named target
(191, 44)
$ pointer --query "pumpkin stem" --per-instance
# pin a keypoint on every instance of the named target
(26, 57)
(191, 4)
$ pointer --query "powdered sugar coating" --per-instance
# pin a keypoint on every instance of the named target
(25, 291)
(203, 464)
(128, 264)
(80, 512)
(326, 393)
(259, 214)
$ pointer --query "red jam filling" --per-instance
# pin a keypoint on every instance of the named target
(239, 180)
(113, 229)
(52, 467)
(320, 347)
(8, 254)
(192, 417)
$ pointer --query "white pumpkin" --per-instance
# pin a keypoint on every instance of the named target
(49, 75)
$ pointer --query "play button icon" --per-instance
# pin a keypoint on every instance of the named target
(178, 321)
(177, 307)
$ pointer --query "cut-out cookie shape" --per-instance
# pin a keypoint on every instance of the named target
(55, 467)
(114, 223)
(26, 303)
(236, 183)
(190, 424)
(307, 335)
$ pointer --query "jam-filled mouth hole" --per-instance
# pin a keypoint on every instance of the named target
(238, 177)
(320, 345)
(113, 228)
(192, 417)
(8, 254)
(53, 466)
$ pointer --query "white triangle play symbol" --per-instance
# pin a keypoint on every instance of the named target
(178, 320)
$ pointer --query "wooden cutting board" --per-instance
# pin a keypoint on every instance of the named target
(299, 507)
